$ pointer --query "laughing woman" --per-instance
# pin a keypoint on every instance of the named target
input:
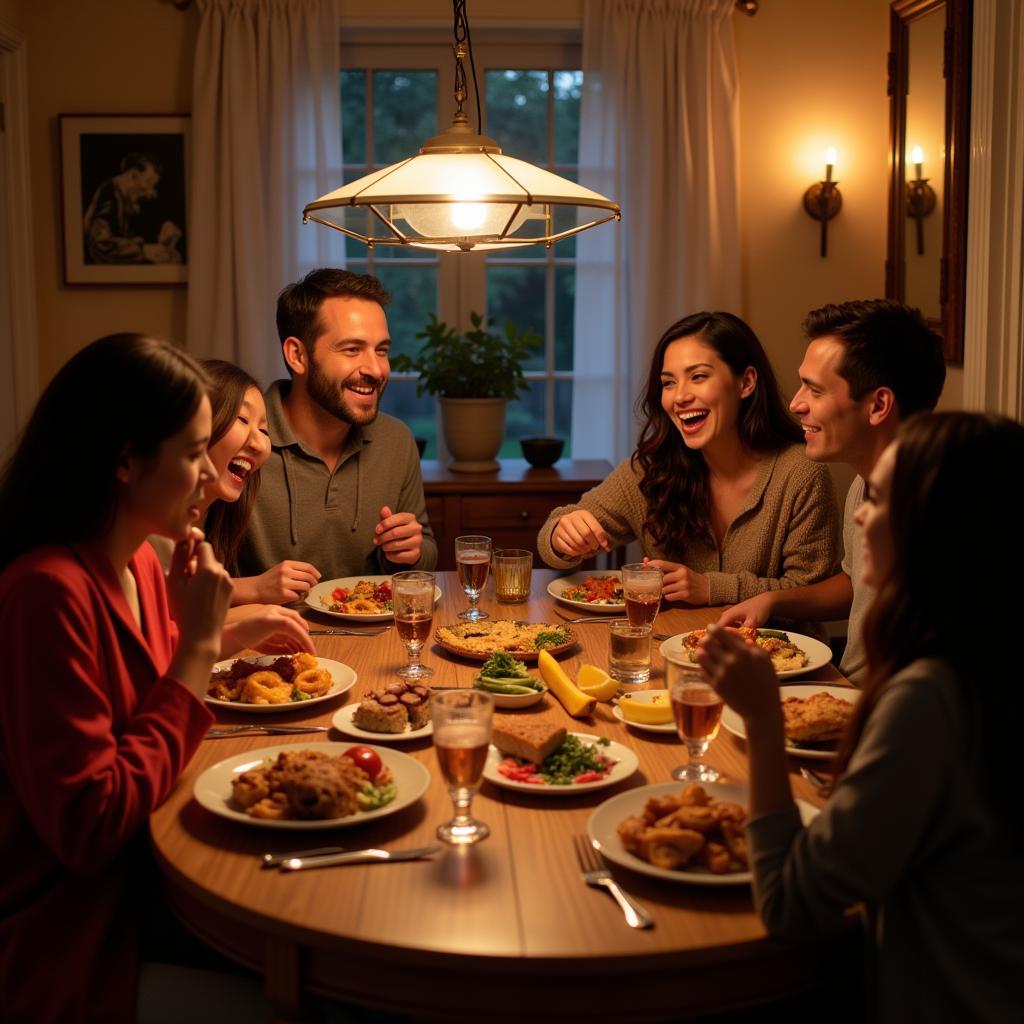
(719, 492)
(105, 663)
(924, 823)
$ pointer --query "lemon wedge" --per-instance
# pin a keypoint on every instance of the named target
(596, 683)
(649, 707)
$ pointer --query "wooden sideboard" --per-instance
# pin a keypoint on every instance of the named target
(508, 505)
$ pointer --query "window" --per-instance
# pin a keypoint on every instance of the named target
(393, 98)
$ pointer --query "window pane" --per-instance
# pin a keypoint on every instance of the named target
(353, 116)
(358, 219)
(517, 294)
(568, 87)
(524, 418)
(517, 113)
(565, 316)
(563, 415)
(418, 414)
(565, 217)
(404, 113)
(413, 298)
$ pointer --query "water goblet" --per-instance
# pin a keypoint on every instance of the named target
(473, 562)
(698, 713)
(462, 735)
(412, 596)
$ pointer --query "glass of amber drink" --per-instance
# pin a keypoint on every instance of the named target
(462, 735)
(698, 713)
(473, 563)
(641, 587)
(412, 597)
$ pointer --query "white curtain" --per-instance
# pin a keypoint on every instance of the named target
(266, 140)
(658, 133)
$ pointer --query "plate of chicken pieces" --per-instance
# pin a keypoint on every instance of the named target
(815, 716)
(266, 684)
(690, 833)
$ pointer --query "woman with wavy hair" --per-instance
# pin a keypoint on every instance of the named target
(719, 492)
(923, 824)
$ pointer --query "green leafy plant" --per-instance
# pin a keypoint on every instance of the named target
(480, 364)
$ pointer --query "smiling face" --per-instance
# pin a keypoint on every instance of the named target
(701, 395)
(241, 451)
(348, 366)
(875, 522)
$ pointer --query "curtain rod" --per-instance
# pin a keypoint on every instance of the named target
(748, 7)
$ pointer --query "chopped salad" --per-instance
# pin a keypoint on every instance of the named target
(596, 590)
(573, 763)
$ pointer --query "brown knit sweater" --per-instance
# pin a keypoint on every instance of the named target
(787, 534)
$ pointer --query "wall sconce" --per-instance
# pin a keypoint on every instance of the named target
(920, 196)
(823, 200)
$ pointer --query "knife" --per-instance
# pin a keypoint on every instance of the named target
(348, 632)
(298, 863)
(222, 731)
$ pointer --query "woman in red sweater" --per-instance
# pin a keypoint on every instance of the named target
(106, 663)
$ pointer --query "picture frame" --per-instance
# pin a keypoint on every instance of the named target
(124, 188)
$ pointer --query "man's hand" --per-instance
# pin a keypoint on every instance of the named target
(682, 584)
(755, 611)
(579, 534)
(400, 536)
(286, 582)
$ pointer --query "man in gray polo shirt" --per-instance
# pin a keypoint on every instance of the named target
(342, 488)
(869, 366)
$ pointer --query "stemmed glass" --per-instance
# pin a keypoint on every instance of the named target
(698, 712)
(641, 587)
(462, 734)
(473, 561)
(412, 596)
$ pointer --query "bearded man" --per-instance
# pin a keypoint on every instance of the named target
(342, 491)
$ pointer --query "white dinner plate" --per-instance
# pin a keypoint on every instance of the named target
(662, 727)
(557, 588)
(604, 823)
(735, 725)
(326, 587)
(213, 788)
(818, 654)
(626, 763)
(342, 721)
(342, 678)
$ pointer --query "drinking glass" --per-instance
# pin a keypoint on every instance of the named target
(513, 570)
(473, 561)
(641, 587)
(629, 651)
(412, 596)
(698, 713)
(462, 734)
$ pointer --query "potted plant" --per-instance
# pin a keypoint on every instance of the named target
(473, 377)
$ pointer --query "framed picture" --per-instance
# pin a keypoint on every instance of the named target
(124, 185)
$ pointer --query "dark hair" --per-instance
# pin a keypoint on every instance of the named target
(125, 393)
(298, 305)
(886, 345)
(226, 520)
(675, 478)
(954, 476)
(139, 162)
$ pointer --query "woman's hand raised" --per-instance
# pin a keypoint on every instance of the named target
(283, 583)
(579, 534)
(682, 584)
(271, 630)
(741, 672)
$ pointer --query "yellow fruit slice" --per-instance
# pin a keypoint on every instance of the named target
(596, 683)
(573, 699)
(648, 707)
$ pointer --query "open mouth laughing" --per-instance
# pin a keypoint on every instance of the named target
(239, 469)
(692, 420)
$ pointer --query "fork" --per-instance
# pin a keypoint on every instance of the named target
(349, 632)
(601, 618)
(593, 872)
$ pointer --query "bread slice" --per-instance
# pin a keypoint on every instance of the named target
(529, 737)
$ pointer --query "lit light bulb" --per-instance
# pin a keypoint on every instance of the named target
(830, 159)
(468, 216)
(917, 155)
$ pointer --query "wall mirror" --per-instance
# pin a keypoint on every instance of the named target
(929, 108)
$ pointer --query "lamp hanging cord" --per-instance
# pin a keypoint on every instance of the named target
(464, 46)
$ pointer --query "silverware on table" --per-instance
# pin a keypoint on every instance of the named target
(583, 618)
(221, 731)
(298, 862)
(349, 632)
(593, 872)
(813, 777)
(273, 860)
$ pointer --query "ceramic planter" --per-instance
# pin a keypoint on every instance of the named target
(474, 429)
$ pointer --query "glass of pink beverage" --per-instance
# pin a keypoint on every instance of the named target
(698, 713)
(462, 736)
(473, 563)
(412, 597)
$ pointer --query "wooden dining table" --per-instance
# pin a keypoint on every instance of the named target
(500, 930)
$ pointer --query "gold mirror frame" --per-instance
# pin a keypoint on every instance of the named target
(957, 74)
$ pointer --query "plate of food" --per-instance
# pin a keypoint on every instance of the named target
(791, 653)
(397, 711)
(312, 786)
(533, 754)
(591, 591)
(479, 640)
(266, 683)
(356, 598)
(815, 717)
(681, 833)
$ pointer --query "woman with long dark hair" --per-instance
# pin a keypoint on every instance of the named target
(923, 824)
(718, 491)
(106, 663)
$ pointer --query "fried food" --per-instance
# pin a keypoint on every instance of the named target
(266, 688)
(365, 598)
(314, 681)
(282, 680)
(785, 655)
(820, 718)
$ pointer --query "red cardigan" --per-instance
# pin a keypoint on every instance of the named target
(93, 735)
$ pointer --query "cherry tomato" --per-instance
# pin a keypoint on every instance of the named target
(366, 759)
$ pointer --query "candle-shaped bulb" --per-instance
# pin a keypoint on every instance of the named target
(830, 159)
(917, 159)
